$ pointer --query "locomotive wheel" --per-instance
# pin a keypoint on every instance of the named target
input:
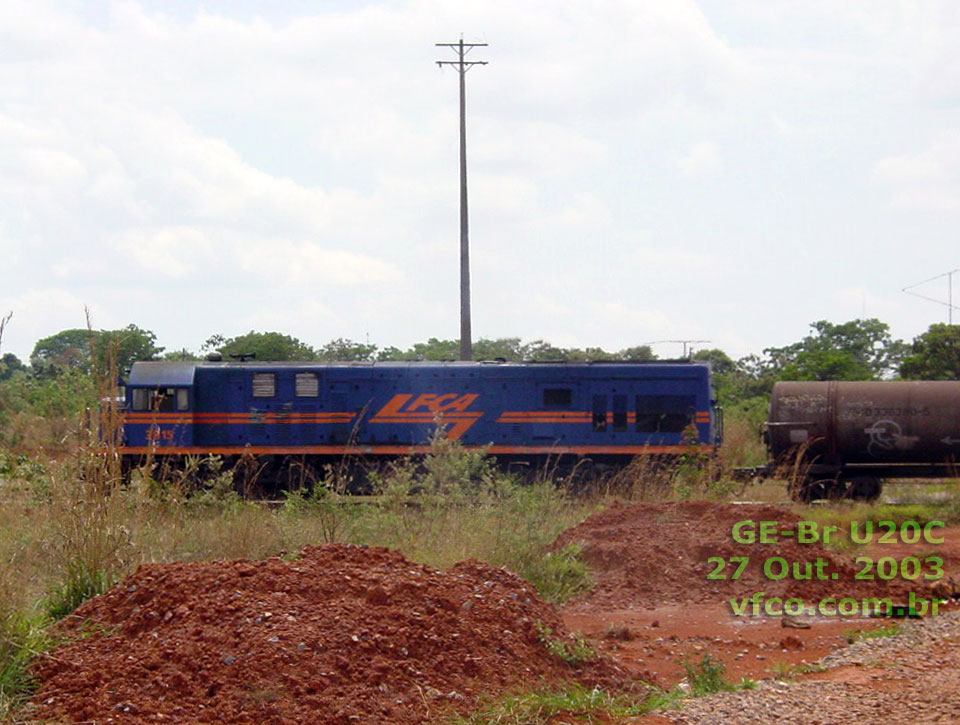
(865, 488)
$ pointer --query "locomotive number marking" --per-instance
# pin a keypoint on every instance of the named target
(448, 407)
(159, 434)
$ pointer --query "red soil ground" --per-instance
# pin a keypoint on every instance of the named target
(342, 634)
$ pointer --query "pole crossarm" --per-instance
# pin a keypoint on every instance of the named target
(465, 63)
(462, 49)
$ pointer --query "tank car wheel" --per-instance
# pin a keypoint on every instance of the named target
(865, 488)
(836, 490)
(810, 490)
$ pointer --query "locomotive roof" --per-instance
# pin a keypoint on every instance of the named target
(175, 373)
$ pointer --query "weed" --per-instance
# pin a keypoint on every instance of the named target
(21, 466)
(77, 586)
(781, 670)
(22, 638)
(645, 478)
(742, 443)
(855, 635)
(559, 575)
(217, 488)
(575, 652)
(621, 633)
(706, 677)
(325, 503)
(545, 706)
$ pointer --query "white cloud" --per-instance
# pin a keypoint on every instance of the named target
(178, 252)
(928, 180)
(668, 260)
(701, 161)
(282, 262)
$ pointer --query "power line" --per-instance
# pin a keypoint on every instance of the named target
(949, 303)
(463, 65)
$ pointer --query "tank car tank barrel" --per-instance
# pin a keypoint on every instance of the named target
(875, 422)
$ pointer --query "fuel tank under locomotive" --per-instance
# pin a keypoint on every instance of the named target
(881, 429)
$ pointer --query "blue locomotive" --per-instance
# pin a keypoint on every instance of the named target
(603, 412)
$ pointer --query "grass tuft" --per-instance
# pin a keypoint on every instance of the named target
(573, 703)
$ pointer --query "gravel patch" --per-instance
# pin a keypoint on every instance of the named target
(913, 677)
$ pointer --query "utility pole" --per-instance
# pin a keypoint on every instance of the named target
(463, 65)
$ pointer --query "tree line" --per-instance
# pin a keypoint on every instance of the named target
(861, 349)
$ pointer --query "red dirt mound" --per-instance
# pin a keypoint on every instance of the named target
(649, 554)
(343, 634)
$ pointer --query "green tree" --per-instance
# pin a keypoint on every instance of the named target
(347, 351)
(10, 365)
(180, 355)
(125, 346)
(66, 350)
(934, 355)
(720, 362)
(506, 348)
(854, 350)
(390, 353)
(540, 350)
(639, 352)
(264, 346)
(434, 349)
(71, 349)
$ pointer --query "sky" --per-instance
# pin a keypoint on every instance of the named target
(726, 171)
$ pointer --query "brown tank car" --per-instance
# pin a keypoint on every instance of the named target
(841, 439)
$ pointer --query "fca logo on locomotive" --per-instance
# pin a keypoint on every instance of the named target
(428, 407)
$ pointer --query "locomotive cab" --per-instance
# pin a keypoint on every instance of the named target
(160, 406)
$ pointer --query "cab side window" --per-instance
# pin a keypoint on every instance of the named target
(163, 400)
(141, 399)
